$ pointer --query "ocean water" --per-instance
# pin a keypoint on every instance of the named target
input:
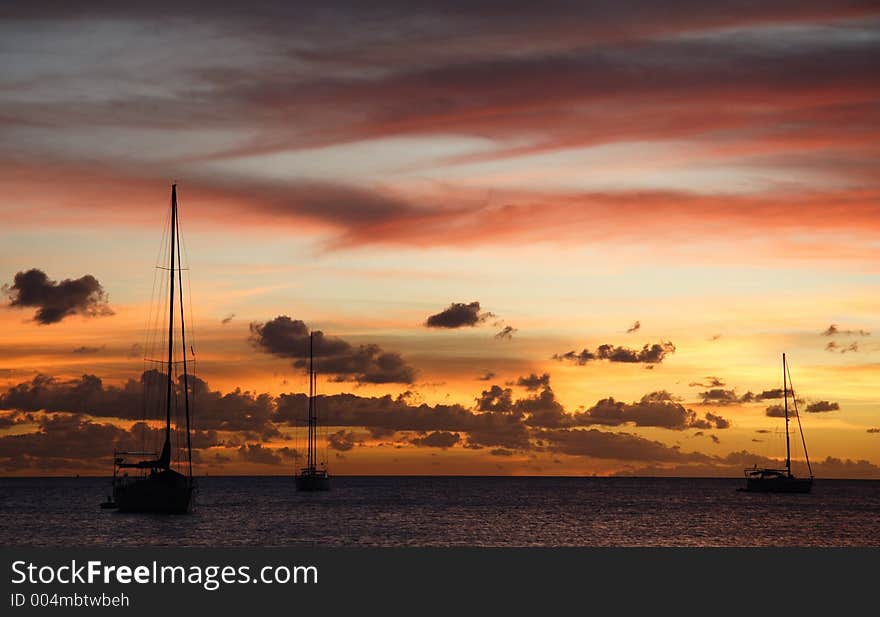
(448, 511)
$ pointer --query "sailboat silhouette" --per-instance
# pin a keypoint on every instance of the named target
(311, 477)
(766, 480)
(156, 486)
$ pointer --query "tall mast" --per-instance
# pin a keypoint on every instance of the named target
(183, 335)
(785, 403)
(165, 459)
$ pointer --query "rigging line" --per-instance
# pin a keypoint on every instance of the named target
(183, 345)
(800, 428)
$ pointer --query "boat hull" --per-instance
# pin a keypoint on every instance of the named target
(166, 492)
(313, 482)
(779, 485)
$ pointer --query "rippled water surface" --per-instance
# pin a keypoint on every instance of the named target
(449, 511)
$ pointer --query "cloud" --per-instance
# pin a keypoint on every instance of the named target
(634, 328)
(822, 406)
(214, 410)
(458, 315)
(620, 446)
(11, 418)
(227, 319)
(833, 330)
(711, 382)
(732, 465)
(650, 354)
(386, 412)
(289, 338)
(85, 349)
(135, 351)
(341, 440)
(657, 409)
(262, 455)
(719, 396)
(778, 411)
(770, 394)
(834, 346)
(487, 376)
(717, 420)
(74, 442)
(496, 399)
(544, 410)
(437, 439)
(534, 382)
(54, 301)
(501, 452)
(874, 430)
(506, 333)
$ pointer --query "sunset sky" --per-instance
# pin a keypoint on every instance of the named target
(538, 238)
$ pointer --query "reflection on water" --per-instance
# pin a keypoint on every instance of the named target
(446, 511)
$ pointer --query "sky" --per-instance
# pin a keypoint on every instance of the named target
(553, 238)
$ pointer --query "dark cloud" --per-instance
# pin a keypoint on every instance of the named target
(534, 382)
(213, 410)
(650, 354)
(437, 439)
(834, 346)
(85, 349)
(778, 411)
(657, 409)
(770, 394)
(634, 328)
(495, 398)
(732, 465)
(822, 406)
(458, 315)
(257, 453)
(341, 440)
(717, 420)
(73, 442)
(714, 438)
(289, 338)
(54, 301)
(711, 382)
(719, 396)
(608, 445)
(11, 418)
(487, 376)
(544, 410)
(135, 351)
(501, 452)
(227, 319)
(506, 333)
(385, 412)
(833, 330)
(874, 430)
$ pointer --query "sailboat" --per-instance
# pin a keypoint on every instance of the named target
(311, 477)
(155, 486)
(782, 480)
